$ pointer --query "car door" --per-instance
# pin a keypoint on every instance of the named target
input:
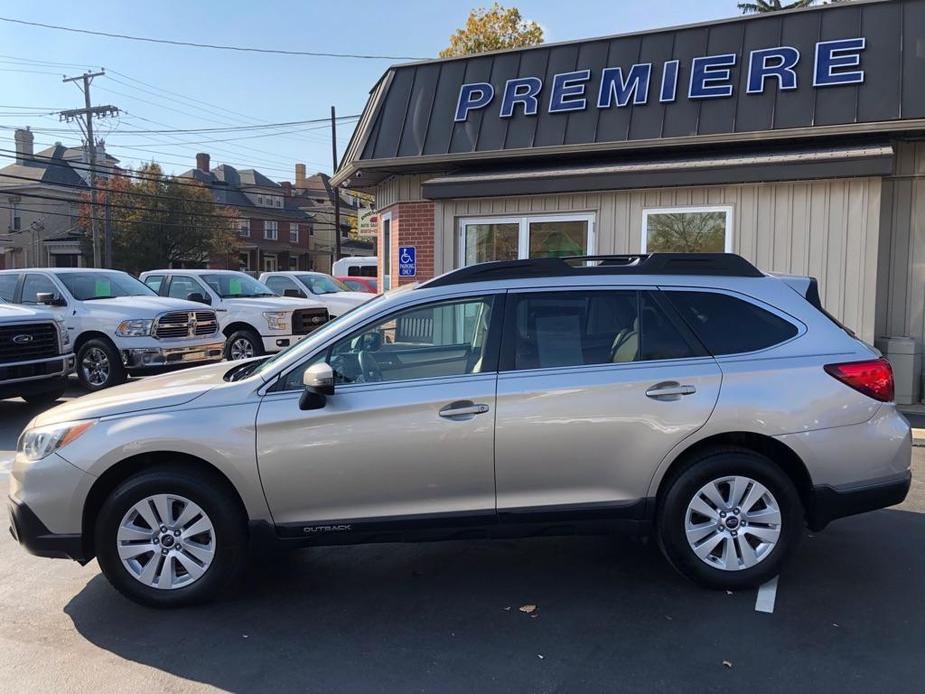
(35, 283)
(595, 387)
(407, 436)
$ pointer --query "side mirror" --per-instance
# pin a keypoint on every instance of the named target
(198, 298)
(49, 299)
(318, 380)
(293, 293)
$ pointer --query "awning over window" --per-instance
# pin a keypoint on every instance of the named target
(868, 160)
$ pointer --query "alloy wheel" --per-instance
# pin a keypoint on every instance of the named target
(733, 523)
(95, 366)
(166, 541)
(241, 348)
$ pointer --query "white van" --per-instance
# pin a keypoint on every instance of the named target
(356, 266)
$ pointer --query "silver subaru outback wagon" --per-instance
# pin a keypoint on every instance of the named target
(688, 396)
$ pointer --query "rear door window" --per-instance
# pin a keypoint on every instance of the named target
(728, 325)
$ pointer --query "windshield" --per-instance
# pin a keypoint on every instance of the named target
(89, 286)
(237, 286)
(323, 284)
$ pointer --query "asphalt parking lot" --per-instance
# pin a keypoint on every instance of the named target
(444, 617)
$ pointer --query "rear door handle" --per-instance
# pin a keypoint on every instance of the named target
(463, 408)
(670, 390)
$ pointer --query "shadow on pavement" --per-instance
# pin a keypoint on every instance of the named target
(610, 616)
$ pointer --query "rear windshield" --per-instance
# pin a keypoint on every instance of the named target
(727, 325)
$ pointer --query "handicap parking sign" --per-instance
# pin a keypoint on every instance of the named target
(407, 261)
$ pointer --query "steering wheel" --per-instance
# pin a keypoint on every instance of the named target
(370, 367)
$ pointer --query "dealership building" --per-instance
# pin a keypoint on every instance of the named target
(795, 138)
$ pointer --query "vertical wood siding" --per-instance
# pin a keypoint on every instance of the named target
(828, 229)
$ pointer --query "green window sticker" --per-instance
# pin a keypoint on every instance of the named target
(103, 288)
(234, 287)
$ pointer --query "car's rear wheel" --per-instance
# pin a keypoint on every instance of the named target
(243, 344)
(730, 519)
(99, 365)
(169, 537)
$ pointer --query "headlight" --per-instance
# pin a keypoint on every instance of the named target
(277, 320)
(41, 442)
(62, 330)
(135, 328)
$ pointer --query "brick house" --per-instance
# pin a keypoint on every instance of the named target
(275, 233)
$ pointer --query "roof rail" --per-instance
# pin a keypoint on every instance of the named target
(717, 264)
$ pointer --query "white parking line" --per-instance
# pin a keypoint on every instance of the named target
(767, 594)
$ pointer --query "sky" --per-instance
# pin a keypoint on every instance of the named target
(172, 87)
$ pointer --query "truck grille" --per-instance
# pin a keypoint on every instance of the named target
(28, 341)
(305, 320)
(185, 324)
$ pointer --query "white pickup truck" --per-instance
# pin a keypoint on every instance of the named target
(253, 319)
(316, 285)
(116, 324)
(35, 355)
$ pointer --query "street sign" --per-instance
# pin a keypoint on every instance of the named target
(407, 261)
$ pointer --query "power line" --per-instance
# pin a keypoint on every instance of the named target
(221, 47)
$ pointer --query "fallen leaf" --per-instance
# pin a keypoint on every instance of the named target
(529, 609)
(669, 617)
(727, 664)
(728, 592)
(539, 655)
(507, 609)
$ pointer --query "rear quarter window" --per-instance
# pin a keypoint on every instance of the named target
(728, 325)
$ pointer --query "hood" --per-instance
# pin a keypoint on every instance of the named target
(10, 313)
(272, 303)
(340, 302)
(167, 390)
(143, 306)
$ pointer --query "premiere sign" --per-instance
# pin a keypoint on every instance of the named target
(835, 63)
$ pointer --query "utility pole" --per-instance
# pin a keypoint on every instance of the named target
(336, 190)
(84, 116)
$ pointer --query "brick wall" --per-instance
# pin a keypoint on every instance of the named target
(412, 225)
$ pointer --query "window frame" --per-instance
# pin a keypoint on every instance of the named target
(688, 209)
(523, 231)
(244, 228)
(491, 353)
(294, 232)
(268, 225)
(506, 358)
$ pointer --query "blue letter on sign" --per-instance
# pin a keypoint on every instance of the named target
(522, 90)
(707, 70)
(473, 96)
(615, 88)
(772, 62)
(669, 90)
(568, 91)
(831, 56)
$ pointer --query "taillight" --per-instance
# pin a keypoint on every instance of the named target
(874, 378)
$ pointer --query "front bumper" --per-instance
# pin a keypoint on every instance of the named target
(31, 533)
(830, 503)
(159, 357)
(34, 376)
(277, 343)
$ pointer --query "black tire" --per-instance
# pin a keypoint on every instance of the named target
(216, 501)
(47, 397)
(680, 491)
(247, 335)
(92, 350)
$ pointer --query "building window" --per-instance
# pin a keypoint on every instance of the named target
(279, 202)
(244, 228)
(244, 261)
(270, 263)
(293, 232)
(271, 230)
(293, 263)
(687, 230)
(509, 238)
(259, 199)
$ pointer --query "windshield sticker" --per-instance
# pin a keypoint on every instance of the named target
(234, 287)
(103, 288)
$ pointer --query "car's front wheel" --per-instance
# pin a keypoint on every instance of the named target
(99, 365)
(169, 537)
(243, 344)
(730, 519)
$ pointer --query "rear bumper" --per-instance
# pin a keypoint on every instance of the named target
(158, 357)
(31, 533)
(830, 503)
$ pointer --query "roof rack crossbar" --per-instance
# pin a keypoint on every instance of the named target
(701, 264)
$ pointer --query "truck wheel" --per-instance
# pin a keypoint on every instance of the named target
(243, 344)
(99, 365)
(169, 537)
(730, 519)
(47, 397)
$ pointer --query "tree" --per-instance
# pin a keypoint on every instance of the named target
(492, 29)
(159, 222)
(761, 6)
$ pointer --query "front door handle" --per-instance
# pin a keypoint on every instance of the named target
(669, 390)
(462, 408)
